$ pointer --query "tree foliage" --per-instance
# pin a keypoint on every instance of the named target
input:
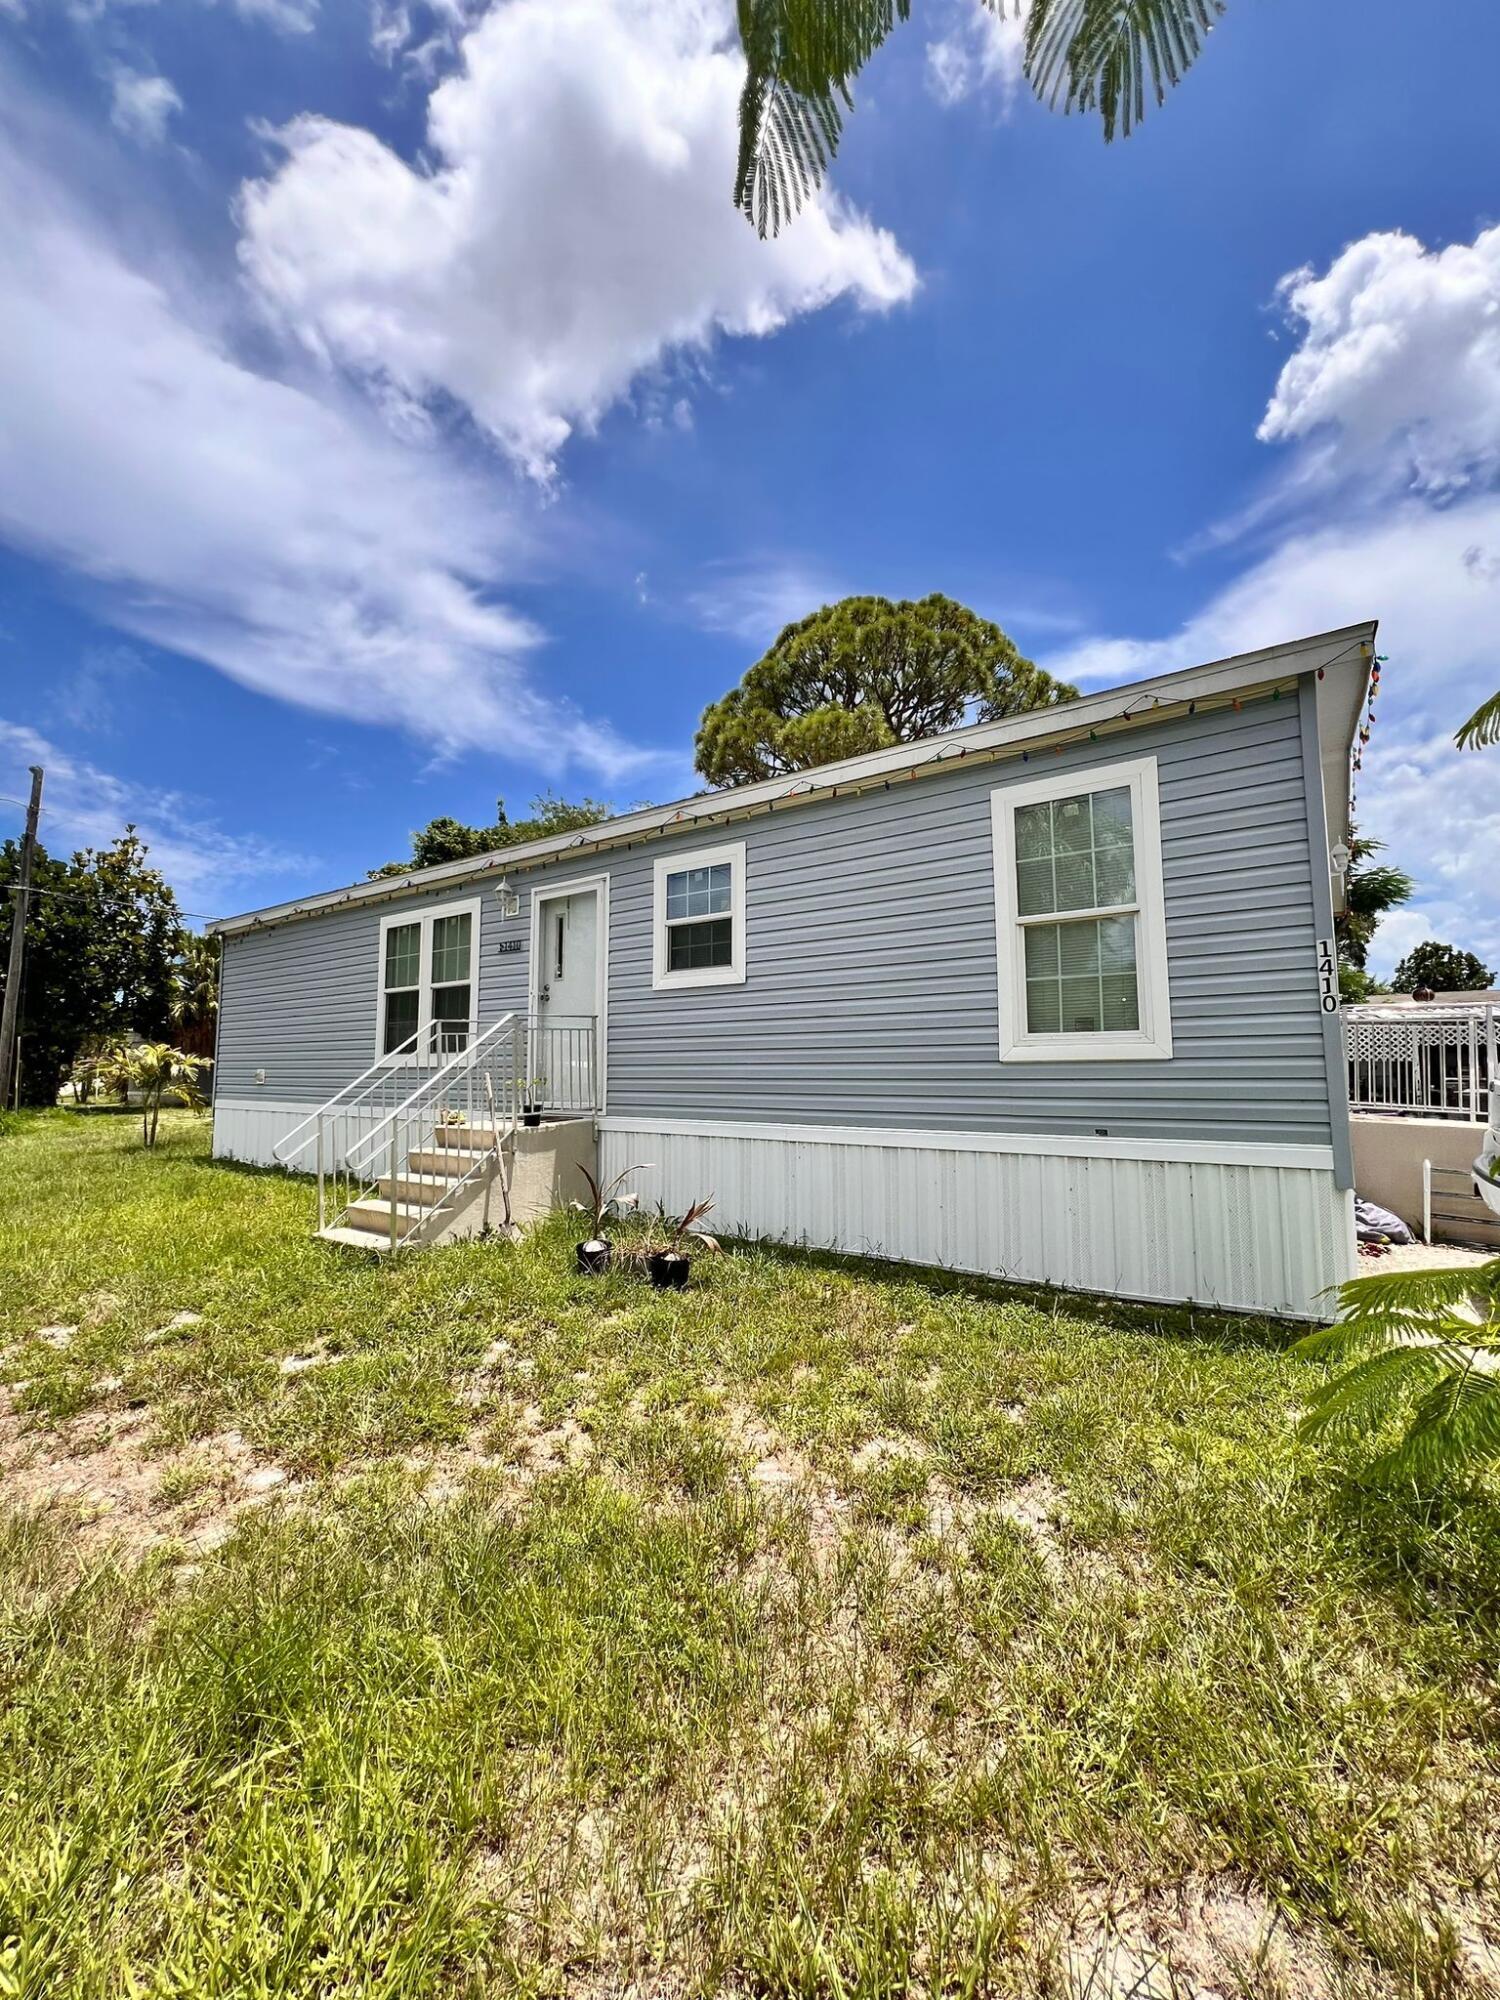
(859, 675)
(194, 1006)
(1370, 889)
(1103, 56)
(103, 942)
(1424, 1353)
(1443, 967)
(447, 839)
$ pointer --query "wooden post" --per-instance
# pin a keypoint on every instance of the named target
(19, 894)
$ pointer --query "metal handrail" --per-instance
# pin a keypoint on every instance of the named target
(439, 1079)
(518, 1064)
(392, 1059)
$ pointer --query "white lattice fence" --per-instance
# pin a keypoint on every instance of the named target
(1423, 1061)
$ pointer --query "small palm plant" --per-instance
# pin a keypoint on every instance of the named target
(156, 1070)
(1423, 1345)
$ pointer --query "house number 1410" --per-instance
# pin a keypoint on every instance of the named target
(1328, 976)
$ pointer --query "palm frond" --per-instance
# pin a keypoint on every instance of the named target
(1365, 1396)
(1423, 1346)
(1109, 56)
(1416, 1291)
(1455, 1426)
(801, 58)
(1482, 728)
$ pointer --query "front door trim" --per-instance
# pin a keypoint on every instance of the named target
(579, 885)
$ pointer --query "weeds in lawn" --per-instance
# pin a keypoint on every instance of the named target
(816, 1630)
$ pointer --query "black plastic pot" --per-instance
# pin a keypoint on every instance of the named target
(669, 1270)
(593, 1257)
(531, 1114)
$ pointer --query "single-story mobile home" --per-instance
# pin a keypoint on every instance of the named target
(1053, 998)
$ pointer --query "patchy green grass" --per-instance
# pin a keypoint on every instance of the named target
(457, 1625)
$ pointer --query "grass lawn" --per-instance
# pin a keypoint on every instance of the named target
(457, 1625)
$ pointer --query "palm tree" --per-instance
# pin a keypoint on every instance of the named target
(194, 1005)
(802, 57)
(157, 1071)
(1425, 1349)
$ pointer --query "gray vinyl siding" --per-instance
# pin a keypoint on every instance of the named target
(871, 994)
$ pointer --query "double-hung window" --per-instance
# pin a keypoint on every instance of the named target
(1080, 927)
(698, 918)
(428, 982)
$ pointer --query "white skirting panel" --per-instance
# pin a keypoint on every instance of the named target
(1252, 1228)
(246, 1128)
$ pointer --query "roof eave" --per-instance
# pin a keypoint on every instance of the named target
(1128, 705)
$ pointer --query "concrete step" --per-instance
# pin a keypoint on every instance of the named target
(356, 1239)
(467, 1138)
(372, 1217)
(449, 1163)
(416, 1188)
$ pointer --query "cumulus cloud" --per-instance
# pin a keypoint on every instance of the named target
(572, 231)
(142, 105)
(984, 50)
(1391, 404)
(1398, 362)
(236, 518)
(84, 806)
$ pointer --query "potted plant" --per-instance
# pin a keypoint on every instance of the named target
(670, 1265)
(604, 1201)
(533, 1097)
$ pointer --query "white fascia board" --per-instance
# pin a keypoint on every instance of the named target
(1118, 707)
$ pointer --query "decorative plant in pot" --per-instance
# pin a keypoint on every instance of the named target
(533, 1097)
(670, 1264)
(604, 1201)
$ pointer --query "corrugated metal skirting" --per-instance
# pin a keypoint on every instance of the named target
(1260, 1238)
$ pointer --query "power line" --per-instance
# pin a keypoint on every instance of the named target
(207, 916)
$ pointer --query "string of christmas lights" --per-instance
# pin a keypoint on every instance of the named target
(1357, 762)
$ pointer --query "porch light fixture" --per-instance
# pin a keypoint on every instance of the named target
(509, 899)
(1339, 857)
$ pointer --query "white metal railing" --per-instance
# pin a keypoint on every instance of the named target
(478, 1090)
(1422, 1061)
(364, 1137)
(363, 1100)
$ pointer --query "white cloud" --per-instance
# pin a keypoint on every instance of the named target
(1392, 405)
(141, 106)
(422, 36)
(289, 16)
(241, 520)
(984, 50)
(574, 231)
(84, 806)
(1399, 361)
(1437, 809)
(292, 17)
(752, 600)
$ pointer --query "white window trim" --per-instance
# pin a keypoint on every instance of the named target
(733, 974)
(426, 917)
(1152, 1041)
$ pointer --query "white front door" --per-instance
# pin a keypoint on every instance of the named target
(566, 985)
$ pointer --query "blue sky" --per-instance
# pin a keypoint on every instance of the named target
(395, 414)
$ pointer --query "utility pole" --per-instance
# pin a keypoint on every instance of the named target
(19, 896)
